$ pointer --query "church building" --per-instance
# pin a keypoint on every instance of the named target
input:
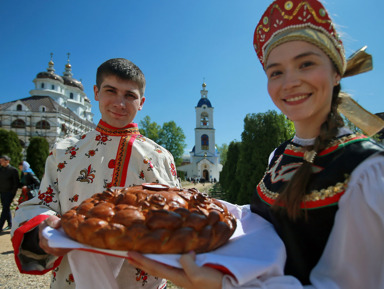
(57, 108)
(204, 163)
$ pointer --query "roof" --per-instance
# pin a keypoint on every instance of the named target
(35, 102)
(203, 101)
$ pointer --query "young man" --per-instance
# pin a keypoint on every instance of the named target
(113, 155)
(9, 180)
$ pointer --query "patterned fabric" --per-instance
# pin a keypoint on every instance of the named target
(79, 167)
(306, 238)
(287, 20)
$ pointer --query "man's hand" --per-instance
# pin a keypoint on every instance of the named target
(54, 222)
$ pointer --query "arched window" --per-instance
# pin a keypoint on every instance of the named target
(43, 108)
(18, 123)
(42, 85)
(19, 107)
(204, 142)
(53, 87)
(43, 124)
(71, 95)
(204, 120)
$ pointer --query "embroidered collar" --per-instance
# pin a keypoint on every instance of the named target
(106, 129)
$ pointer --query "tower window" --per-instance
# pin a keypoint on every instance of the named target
(204, 142)
(19, 107)
(53, 87)
(42, 85)
(71, 95)
(204, 120)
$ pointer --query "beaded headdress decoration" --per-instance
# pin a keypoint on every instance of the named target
(289, 20)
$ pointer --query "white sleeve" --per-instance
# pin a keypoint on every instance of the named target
(354, 254)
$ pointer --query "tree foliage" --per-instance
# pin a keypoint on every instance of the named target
(37, 153)
(149, 129)
(263, 132)
(228, 179)
(10, 146)
(223, 149)
(170, 136)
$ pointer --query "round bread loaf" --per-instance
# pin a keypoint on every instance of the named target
(150, 218)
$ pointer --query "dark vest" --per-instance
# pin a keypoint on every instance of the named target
(305, 238)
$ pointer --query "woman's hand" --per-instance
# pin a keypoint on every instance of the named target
(190, 277)
(54, 222)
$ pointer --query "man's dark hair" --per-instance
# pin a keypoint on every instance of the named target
(123, 69)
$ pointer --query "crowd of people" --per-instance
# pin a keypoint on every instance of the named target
(322, 190)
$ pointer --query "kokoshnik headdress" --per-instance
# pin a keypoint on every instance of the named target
(289, 20)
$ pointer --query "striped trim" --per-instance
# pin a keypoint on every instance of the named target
(106, 129)
(123, 157)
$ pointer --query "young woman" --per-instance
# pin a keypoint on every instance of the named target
(323, 190)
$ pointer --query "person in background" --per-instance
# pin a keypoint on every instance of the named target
(9, 183)
(28, 181)
(112, 155)
(323, 190)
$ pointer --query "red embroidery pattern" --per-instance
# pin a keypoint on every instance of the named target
(91, 153)
(54, 274)
(102, 139)
(75, 198)
(47, 196)
(141, 275)
(70, 279)
(141, 175)
(61, 166)
(148, 160)
(86, 175)
(173, 170)
(158, 150)
(72, 151)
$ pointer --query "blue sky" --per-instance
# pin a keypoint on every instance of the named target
(177, 44)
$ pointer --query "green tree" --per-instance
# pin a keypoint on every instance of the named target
(228, 178)
(263, 132)
(170, 136)
(173, 139)
(149, 129)
(10, 146)
(223, 149)
(37, 153)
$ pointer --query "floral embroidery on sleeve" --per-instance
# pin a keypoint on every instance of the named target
(158, 150)
(70, 279)
(173, 170)
(148, 160)
(141, 276)
(61, 166)
(47, 196)
(91, 153)
(74, 199)
(72, 151)
(86, 175)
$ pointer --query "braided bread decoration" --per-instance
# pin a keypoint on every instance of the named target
(150, 218)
